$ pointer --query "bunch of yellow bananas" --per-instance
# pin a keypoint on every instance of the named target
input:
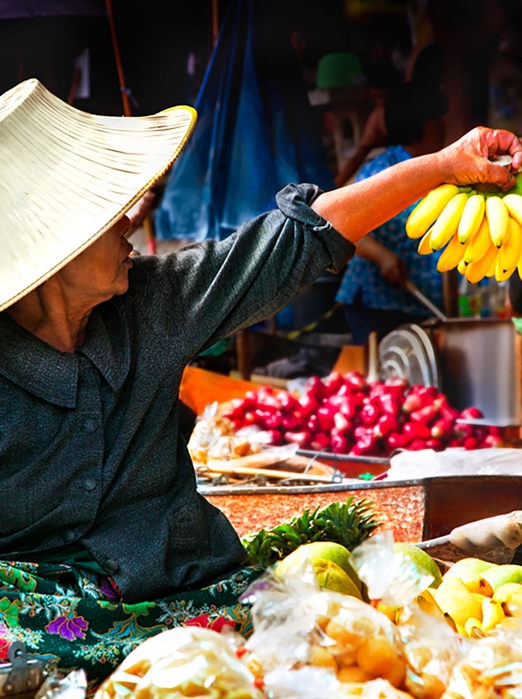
(479, 232)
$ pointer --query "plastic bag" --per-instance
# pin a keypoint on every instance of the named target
(183, 662)
(390, 577)
(58, 686)
(492, 667)
(400, 587)
(322, 643)
(427, 463)
(316, 641)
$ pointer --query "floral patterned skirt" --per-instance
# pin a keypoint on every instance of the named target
(70, 617)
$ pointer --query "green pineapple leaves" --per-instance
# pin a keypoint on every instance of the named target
(348, 523)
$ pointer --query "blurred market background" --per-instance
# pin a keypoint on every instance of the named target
(282, 91)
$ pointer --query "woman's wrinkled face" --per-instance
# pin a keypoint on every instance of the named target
(102, 270)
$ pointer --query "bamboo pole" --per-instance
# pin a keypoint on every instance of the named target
(127, 111)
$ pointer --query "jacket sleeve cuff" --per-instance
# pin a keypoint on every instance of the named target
(294, 202)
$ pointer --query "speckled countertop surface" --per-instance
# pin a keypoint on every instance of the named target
(415, 510)
(400, 509)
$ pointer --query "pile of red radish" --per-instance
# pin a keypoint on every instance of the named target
(346, 414)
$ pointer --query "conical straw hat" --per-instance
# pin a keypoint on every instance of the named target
(66, 176)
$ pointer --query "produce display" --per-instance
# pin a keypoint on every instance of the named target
(182, 662)
(478, 596)
(402, 629)
(332, 566)
(346, 523)
(479, 232)
(402, 643)
(346, 414)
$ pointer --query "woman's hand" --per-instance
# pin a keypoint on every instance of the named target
(471, 159)
(392, 268)
(362, 206)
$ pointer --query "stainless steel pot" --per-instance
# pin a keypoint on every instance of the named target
(478, 365)
(474, 361)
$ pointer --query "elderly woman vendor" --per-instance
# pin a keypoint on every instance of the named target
(104, 538)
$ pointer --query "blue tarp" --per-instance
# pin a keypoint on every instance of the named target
(256, 132)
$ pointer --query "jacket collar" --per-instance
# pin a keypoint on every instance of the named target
(53, 375)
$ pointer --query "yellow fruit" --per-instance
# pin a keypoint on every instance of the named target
(455, 599)
(428, 210)
(451, 255)
(424, 685)
(426, 601)
(342, 635)
(506, 591)
(421, 560)
(352, 673)
(492, 614)
(477, 270)
(391, 611)
(493, 266)
(497, 216)
(345, 657)
(511, 249)
(321, 657)
(470, 571)
(480, 586)
(473, 627)
(478, 596)
(378, 658)
(478, 246)
(424, 244)
(502, 275)
(513, 203)
(510, 597)
(330, 576)
(467, 568)
(513, 607)
(501, 574)
(462, 266)
(471, 218)
(447, 223)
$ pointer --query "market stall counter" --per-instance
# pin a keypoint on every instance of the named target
(415, 510)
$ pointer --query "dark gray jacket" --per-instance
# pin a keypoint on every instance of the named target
(90, 447)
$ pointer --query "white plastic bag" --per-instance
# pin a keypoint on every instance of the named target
(427, 463)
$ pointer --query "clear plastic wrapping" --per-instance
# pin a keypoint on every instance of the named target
(309, 642)
(312, 642)
(491, 668)
(307, 639)
(183, 662)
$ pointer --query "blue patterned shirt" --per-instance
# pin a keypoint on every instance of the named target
(364, 275)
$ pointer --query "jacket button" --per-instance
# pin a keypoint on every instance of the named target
(69, 536)
(90, 425)
(89, 484)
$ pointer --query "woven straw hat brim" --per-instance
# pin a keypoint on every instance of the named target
(67, 176)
